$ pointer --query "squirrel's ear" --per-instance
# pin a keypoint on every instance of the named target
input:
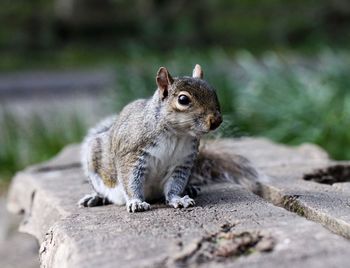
(164, 80)
(197, 72)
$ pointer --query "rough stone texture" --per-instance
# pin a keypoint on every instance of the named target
(344, 187)
(286, 167)
(200, 236)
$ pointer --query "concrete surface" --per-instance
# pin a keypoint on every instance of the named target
(229, 227)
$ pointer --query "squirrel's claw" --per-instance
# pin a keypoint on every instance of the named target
(181, 202)
(137, 206)
(93, 200)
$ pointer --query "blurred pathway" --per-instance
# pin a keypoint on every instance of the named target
(16, 249)
(66, 92)
(34, 84)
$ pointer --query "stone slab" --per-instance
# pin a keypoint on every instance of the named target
(164, 237)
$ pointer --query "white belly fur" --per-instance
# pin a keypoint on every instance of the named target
(169, 152)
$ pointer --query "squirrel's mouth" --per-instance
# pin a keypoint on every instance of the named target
(194, 129)
(199, 132)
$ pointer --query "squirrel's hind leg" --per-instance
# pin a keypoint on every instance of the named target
(93, 200)
(103, 195)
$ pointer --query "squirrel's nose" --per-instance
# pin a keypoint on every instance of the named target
(215, 121)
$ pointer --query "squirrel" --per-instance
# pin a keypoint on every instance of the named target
(151, 150)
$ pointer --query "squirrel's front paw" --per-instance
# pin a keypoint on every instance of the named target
(181, 202)
(137, 205)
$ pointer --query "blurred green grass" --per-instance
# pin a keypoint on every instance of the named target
(279, 95)
(34, 140)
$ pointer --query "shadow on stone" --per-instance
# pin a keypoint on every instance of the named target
(214, 195)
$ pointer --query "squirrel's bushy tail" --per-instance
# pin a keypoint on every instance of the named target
(215, 164)
(102, 126)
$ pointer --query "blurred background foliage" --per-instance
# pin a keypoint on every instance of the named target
(281, 68)
(164, 24)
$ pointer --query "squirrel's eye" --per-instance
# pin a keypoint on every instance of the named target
(184, 100)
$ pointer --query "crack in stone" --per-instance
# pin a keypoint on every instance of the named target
(290, 202)
(43, 169)
(293, 204)
(28, 213)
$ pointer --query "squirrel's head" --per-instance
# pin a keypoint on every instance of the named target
(190, 103)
